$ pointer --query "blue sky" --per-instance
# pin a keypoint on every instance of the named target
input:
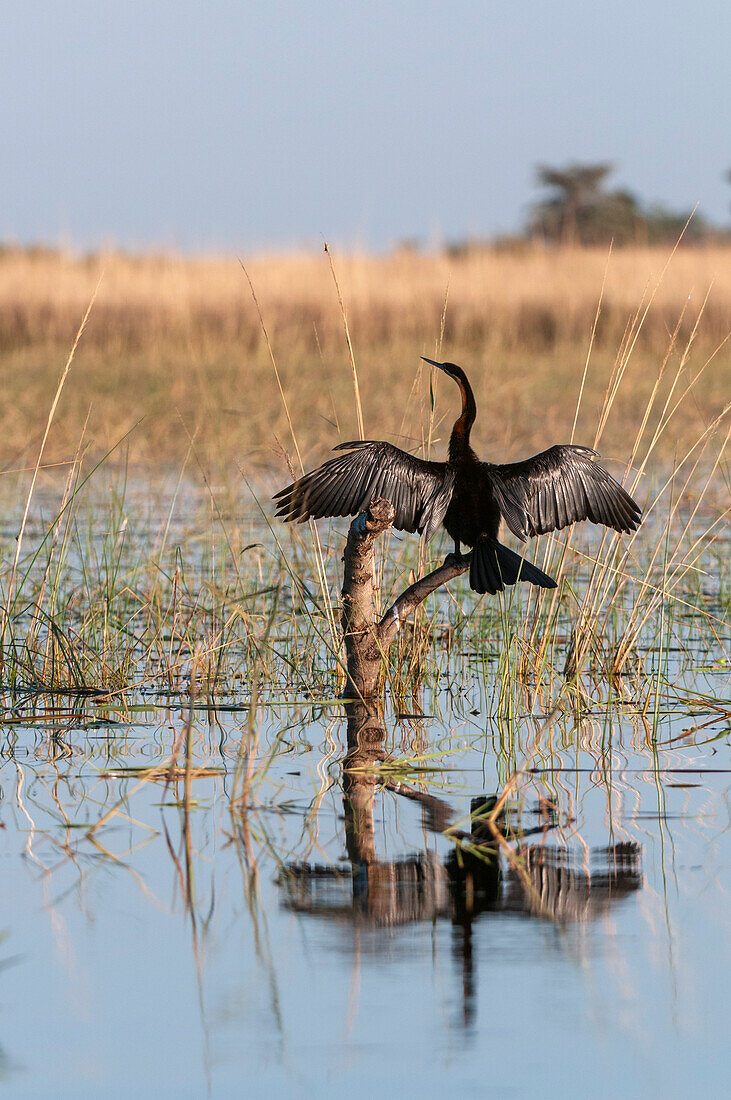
(238, 126)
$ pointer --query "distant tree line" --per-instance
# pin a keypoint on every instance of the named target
(580, 209)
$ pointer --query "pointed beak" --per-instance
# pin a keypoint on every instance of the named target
(433, 362)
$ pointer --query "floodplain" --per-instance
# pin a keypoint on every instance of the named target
(216, 879)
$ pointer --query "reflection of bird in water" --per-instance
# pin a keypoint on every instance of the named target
(472, 881)
(377, 894)
(545, 493)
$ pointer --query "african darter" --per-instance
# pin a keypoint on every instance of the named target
(545, 493)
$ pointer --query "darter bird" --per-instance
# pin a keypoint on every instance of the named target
(470, 498)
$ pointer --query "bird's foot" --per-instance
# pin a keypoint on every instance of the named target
(455, 559)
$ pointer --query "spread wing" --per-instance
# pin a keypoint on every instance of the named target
(558, 487)
(419, 491)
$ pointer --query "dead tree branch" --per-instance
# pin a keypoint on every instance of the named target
(366, 641)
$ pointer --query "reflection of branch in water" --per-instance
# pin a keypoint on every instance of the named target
(538, 879)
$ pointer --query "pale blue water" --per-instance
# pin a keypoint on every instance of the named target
(272, 986)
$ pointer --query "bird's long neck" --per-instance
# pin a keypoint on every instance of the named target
(459, 443)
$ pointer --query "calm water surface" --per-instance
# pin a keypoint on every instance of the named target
(202, 951)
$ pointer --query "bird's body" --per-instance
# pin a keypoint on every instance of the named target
(473, 510)
(470, 498)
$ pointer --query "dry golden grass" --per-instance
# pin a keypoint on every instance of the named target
(179, 342)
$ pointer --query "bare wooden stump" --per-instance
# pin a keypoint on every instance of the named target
(361, 633)
(366, 639)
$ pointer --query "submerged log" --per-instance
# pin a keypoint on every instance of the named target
(366, 639)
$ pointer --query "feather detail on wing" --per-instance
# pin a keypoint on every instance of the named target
(419, 491)
(559, 487)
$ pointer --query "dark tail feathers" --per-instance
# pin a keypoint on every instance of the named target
(493, 566)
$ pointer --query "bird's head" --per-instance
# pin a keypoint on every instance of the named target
(456, 373)
(469, 409)
(451, 369)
